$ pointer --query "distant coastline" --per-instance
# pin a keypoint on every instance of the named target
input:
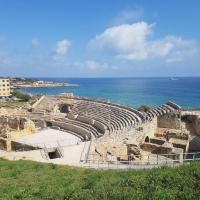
(20, 83)
(47, 85)
(130, 91)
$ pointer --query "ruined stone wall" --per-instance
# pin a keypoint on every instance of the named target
(170, 121)
(17, 146)
(2, 144)
(40, 123)
(155, 148)
(116, 143)
(195, 132)
(196, 125)
(13, 123)
(195, 144)
(149, 128)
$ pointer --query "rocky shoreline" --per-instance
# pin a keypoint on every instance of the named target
(46, 85)
(20, 83)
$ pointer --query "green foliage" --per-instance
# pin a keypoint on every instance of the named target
(144, 108)
(21, 96)
(31, 180)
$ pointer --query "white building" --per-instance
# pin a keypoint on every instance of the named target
(5, 87)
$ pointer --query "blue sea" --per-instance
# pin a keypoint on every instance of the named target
(131, 91)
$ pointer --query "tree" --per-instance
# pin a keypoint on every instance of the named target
(21, 96)
(144, 108)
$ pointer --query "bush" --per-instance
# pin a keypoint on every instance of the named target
(144, 108)
(21, 96)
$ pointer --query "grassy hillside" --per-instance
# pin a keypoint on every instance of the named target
(32, 180)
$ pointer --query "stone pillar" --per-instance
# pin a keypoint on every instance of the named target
(8, 142)
(8, 145)
(181, 157)
(18, 121)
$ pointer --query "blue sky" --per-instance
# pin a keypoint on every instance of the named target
(99, 38)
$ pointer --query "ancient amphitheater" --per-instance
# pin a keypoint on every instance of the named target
(87, 132)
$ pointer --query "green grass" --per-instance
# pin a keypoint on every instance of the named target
(32, 180)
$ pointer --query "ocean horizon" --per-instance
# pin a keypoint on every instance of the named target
(152, 91)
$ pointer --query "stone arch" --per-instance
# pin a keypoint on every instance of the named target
(64, 108)
(49, 124)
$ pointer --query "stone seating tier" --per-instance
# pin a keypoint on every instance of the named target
(97, 116)
(118, 118)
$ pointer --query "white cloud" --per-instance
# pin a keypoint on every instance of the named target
(128, 15)
(92, 65)
(35, 42)
(62, 48)
(132, 42)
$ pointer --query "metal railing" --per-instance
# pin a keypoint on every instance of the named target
(151, 161)
(85, 152)
(60, 150)
(88, 151)
(82, 157)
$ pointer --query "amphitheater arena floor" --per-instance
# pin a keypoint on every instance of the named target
(49, 138)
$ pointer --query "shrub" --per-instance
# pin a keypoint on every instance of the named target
(21, 96)
(144, 108)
